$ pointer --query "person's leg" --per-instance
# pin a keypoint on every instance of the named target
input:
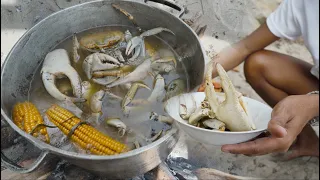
(274, 76)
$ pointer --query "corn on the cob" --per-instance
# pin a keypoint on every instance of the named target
(84, 135)
(27, 117)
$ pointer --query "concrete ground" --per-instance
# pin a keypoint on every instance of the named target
(227, 22)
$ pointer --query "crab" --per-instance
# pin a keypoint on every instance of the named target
(136, 45)
(199, 114)
(139, 74)
(57, 65)
(163, 66)
(156, 95)
(232, 111)
(104, 69)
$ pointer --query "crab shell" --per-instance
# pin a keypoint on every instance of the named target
(101, 40)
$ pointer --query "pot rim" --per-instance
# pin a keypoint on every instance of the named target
(54, 150)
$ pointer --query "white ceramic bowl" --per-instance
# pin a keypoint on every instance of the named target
(260, 113)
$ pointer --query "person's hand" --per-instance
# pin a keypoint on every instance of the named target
(307, 144)
(288, 119)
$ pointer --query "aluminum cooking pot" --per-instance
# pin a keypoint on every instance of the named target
(30, 50)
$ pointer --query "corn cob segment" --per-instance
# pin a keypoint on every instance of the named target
(83, 134)
(27, 117)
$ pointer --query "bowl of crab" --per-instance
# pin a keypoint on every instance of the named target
(219, 118)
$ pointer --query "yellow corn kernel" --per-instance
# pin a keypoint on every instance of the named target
(84, 135)
(26, 116)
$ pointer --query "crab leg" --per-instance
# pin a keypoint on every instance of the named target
(155, 137)
(86, 89)
(117, 123)
(137, 43)
(129, 16)
(132, 92)
(167, 60)
(106, 80)
(75, 47)
(165, 119)
(158, 89)
(155, 31)
(96, 101)
(199, 114)
(140, 73)
(123, 71)
(162, 65)
(215, 124)
(134, 44)
(115, 73)
(97, 62)
(184, 111)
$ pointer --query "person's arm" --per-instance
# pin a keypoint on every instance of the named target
(233, 55)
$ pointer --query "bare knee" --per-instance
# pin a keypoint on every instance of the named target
(254, 67)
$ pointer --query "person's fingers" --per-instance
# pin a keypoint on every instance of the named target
(276, 130)
(277, 124)
(257, 147)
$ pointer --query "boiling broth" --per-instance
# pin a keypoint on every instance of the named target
(138, 122)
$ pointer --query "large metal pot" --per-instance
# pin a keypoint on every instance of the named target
(30, 50)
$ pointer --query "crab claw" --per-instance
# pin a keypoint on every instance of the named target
(199, 114)
(158, 91)
(140, 73)
(117, 123)
(57, 64)
(98, 62)
(137, 43)
(134, 44)
(214, 124)
(96, 101)
(232, 110)
(184, 110)
(132, 92)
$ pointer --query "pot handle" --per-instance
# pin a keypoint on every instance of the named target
(17, 168)
(170, 4)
